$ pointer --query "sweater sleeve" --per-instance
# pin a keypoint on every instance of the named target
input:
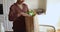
(12, 14)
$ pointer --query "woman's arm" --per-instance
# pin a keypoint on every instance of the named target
(12, 14)
(23, 14)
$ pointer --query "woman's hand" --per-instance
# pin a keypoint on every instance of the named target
(24, 14)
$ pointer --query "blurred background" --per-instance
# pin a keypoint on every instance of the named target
(51, 16)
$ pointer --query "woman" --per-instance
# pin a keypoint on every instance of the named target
(17, 15)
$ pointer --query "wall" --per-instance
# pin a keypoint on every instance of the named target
(1, 16)
(1, 19)
(32, 4)
(52, 13)
(7, 24)
(1, 1)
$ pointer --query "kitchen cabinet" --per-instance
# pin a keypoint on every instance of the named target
(42, 4)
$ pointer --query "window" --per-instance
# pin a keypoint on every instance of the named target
(1, 8)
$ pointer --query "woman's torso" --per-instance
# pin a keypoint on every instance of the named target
(19, 23)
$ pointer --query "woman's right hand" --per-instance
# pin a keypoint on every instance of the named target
(24, 14)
